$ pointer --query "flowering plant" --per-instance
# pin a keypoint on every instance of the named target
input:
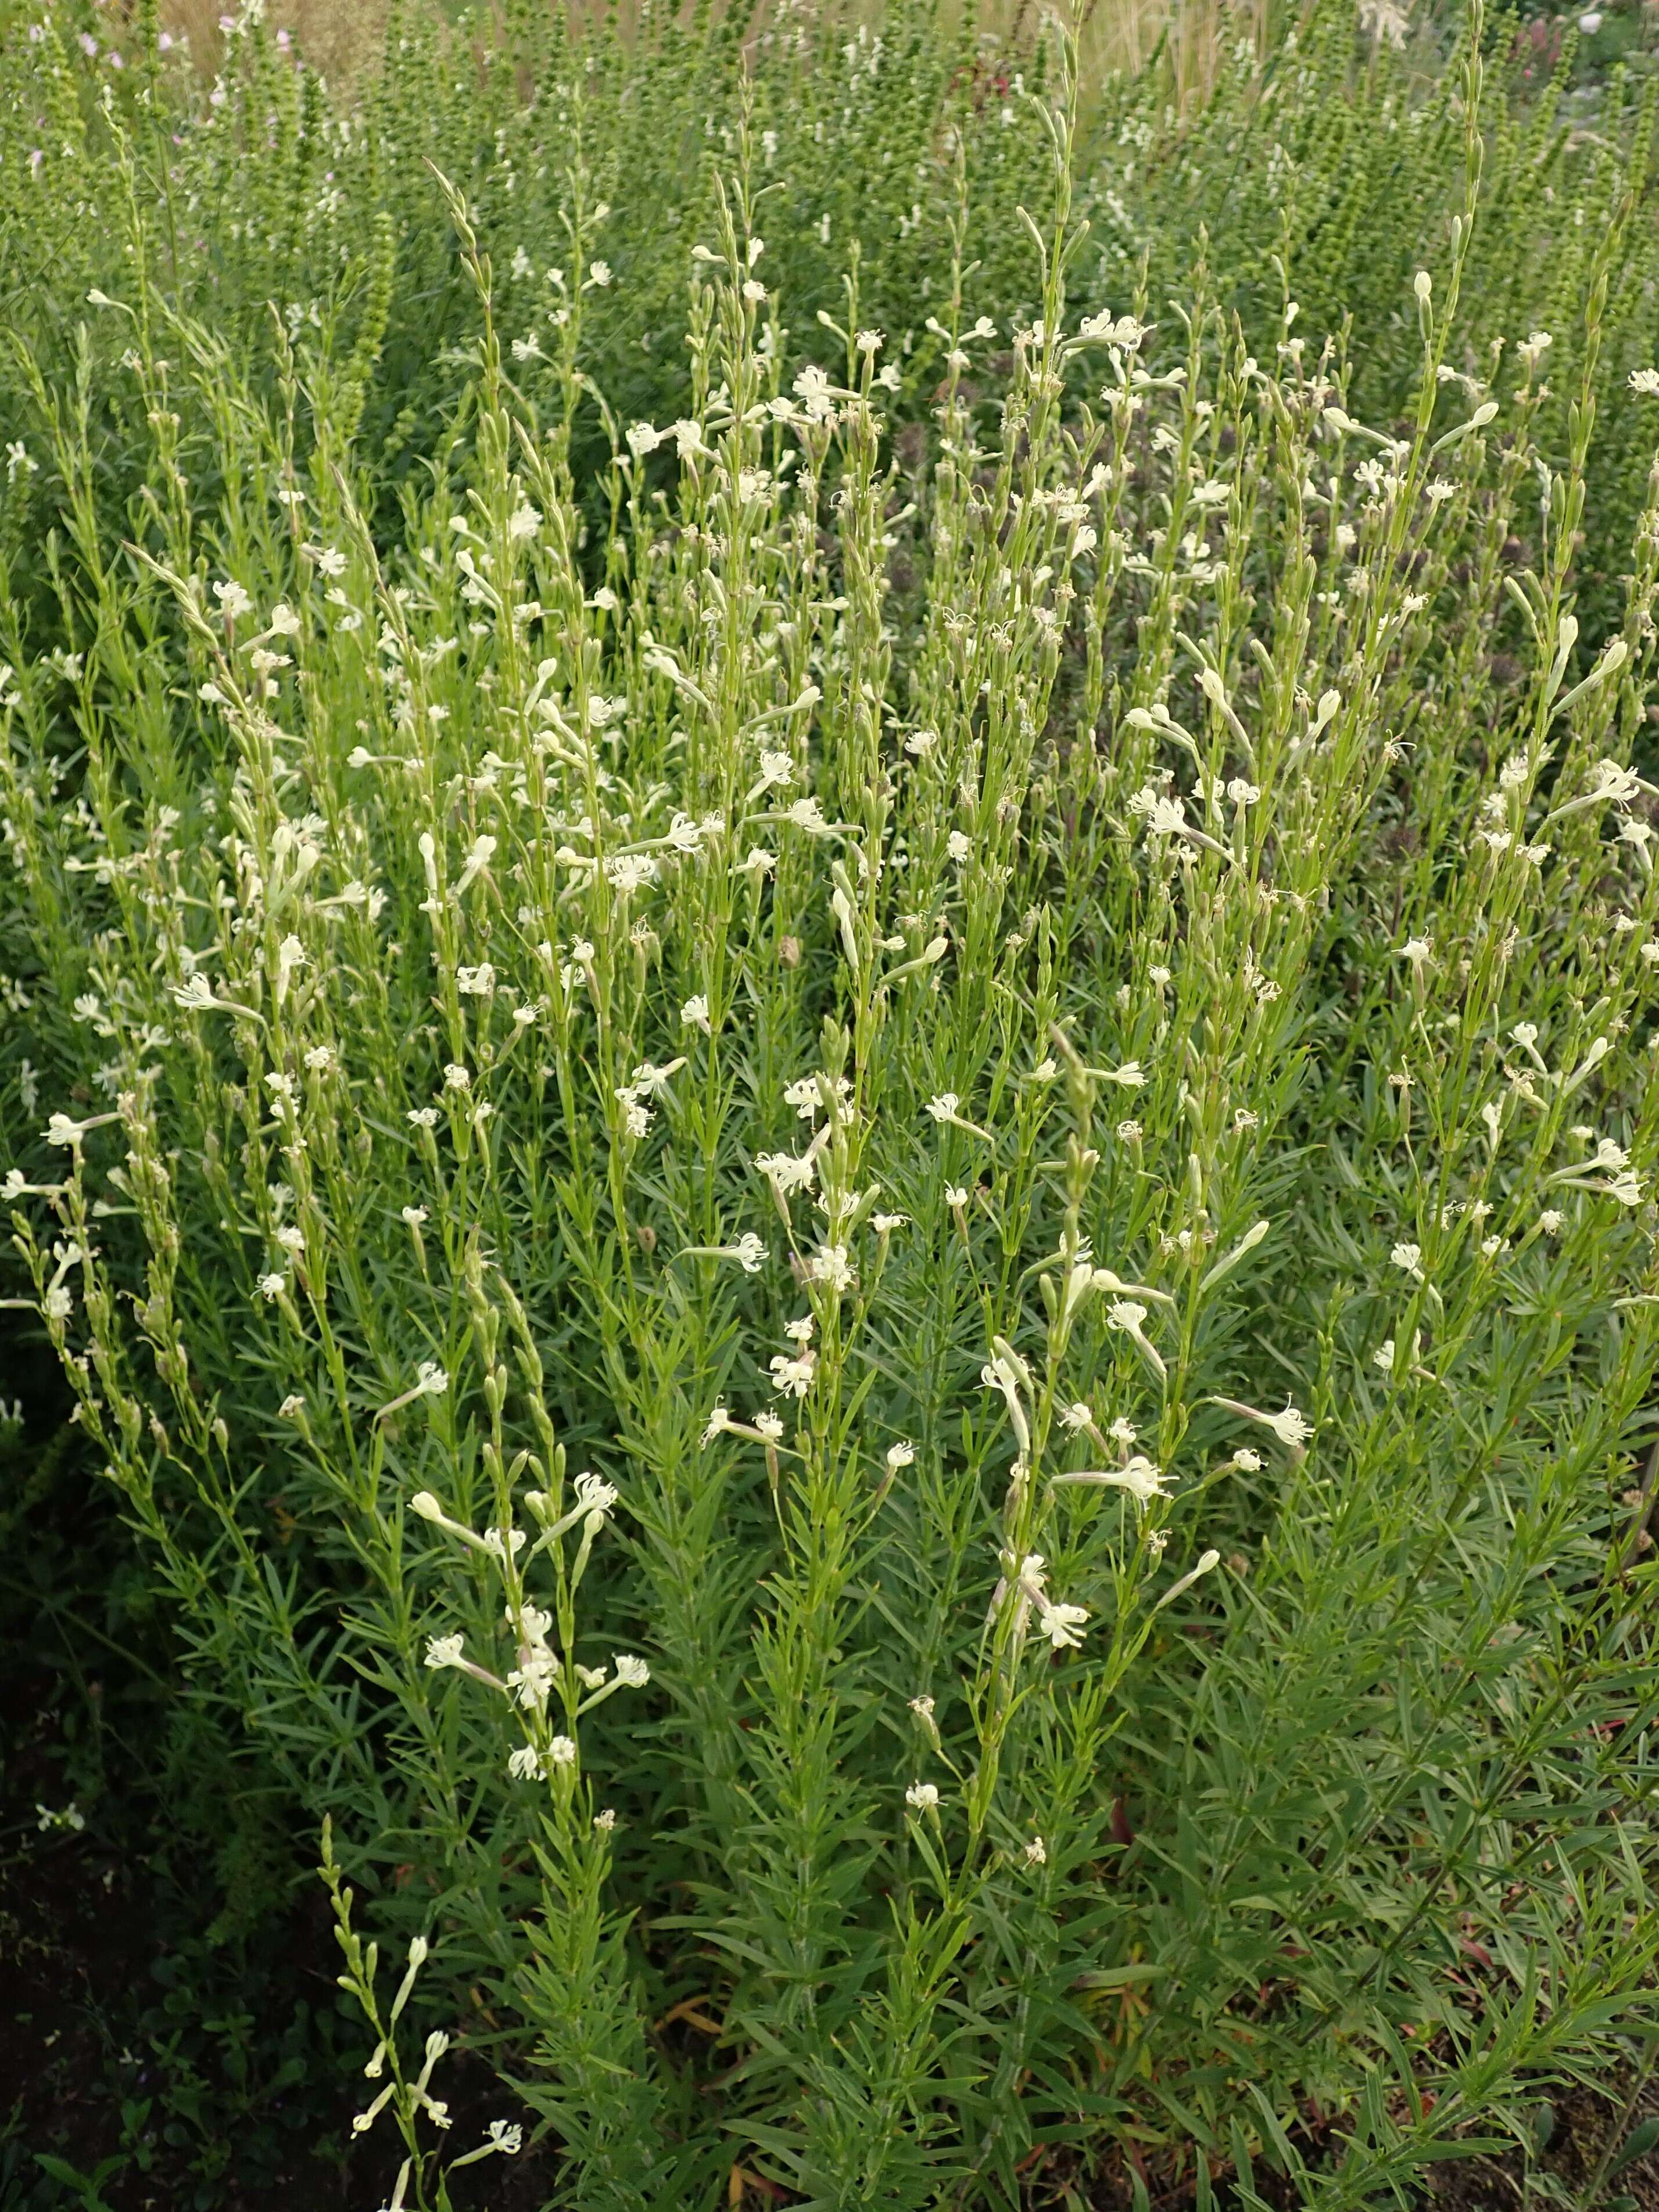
(616, 1288)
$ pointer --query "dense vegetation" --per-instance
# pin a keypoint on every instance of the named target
(830, 962)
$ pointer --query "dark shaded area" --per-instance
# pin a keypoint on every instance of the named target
(170, 2029)
(1599, 2153)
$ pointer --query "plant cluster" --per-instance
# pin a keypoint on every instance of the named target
(842, 1139)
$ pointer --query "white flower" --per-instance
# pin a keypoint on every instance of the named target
(1032, 1578)
(457, 1078)
(1410, 1258)
(1418, 950)
(719, 1420)
(688, 438)
(561, 1751)
(885, 1223)
(1248, 1462)
(1291, 1427)
(785, 1172)
(1616, 782)
(1063, 1625)
(524, 1764)
(649, 1079)
(792, 1377)
(943, 1108)
(1037, 1852)
(812, 388)
(1125, 332)
(958, 845)
(627, 872)
(196, 993)
(923, 1798)
(505, 2137)
(1533, 348)
(533, 1621)
(1645, 381)
(769, 1427)
(694, 1014)
(272, 1286)
(902, 1453)
(595, 1494)
(829, 1264)
(804, 1096)
(631, 1672)
(1137, 1475)
(533, 1678)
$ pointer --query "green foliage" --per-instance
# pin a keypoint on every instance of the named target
(724, 1007)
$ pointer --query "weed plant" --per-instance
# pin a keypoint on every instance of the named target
(851, 1133)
